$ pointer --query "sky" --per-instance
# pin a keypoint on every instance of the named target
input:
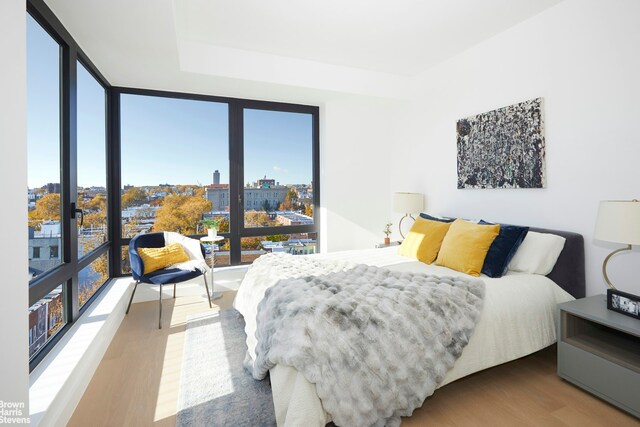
(164, 140)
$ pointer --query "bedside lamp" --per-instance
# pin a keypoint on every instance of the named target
(618, 221)
(407, 203)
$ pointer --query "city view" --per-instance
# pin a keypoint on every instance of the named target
(185, 209)
(174, 164)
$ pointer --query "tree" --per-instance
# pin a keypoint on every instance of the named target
(266, 206)
(181, 214)
(47, 207)
(135, 196)
(258, 219)
(223, 225)
(290, 200)
(308, 210)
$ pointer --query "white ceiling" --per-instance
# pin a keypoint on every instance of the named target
(359, 46)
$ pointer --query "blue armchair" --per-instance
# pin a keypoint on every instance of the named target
(159, 277)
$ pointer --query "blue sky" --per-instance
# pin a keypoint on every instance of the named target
(163, 140)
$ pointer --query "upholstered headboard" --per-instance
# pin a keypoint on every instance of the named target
(568, 272)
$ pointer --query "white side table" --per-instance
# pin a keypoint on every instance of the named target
(212, 241)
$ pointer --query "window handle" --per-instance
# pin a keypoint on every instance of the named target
(74, 211)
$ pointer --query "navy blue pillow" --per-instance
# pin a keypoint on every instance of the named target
(433, 218)
(503, 249)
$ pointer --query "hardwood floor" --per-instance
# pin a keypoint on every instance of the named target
(137, 383)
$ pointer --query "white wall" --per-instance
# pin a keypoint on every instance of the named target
(14, 366)
(581, 56)
(356, 142)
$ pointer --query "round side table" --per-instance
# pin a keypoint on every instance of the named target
(212, 241)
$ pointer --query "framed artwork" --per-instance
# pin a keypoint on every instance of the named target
(503, 148)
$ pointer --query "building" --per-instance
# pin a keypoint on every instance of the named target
(44, 247)
(293, 218)
(263, 195)
(45, 318)
(52, 188)
(216, 177)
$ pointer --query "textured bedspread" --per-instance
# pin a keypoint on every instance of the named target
(375, 342)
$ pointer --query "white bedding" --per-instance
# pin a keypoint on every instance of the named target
(518, 318)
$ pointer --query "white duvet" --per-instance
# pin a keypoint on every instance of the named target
(518, 318)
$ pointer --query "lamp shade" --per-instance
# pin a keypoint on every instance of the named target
(619, 221)
(408, 203)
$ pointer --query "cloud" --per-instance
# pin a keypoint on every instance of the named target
(279, 169)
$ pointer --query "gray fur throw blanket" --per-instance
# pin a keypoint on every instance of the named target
(376, 343)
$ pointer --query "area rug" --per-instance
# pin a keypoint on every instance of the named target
(215, 389)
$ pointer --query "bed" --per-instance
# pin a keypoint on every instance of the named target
(518, 318)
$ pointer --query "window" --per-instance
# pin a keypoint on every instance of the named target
(92, 162)
(175, 165)
(67, 172)
(46, 318)
(43, 146)
(278, 166)
(92, 277)
(294, 244)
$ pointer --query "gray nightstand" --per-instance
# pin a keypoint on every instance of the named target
(599, 351)
(382, 245)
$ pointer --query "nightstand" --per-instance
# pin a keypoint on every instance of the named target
(599, 351)
(382, 245)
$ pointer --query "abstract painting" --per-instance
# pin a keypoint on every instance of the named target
(503, 148)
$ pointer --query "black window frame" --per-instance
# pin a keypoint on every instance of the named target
(66, 274)
(237, 229)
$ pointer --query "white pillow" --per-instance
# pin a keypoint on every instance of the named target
(538, 253)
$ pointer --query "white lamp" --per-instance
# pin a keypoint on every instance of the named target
(618, 221)
(407, 203)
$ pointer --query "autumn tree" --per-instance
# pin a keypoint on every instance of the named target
(95, 211)
(223, 225)
(47, 207)
(181, 214)
(308, 210)
(290, 201)
(258, 219)
(135, 196)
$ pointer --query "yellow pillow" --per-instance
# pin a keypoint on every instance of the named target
(465, 246)
(156, 258)
(424, 240)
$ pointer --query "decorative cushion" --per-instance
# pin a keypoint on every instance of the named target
(173, 275)
(465, 246)
(157, 258)
(436, 218)
(424, 239)
(538, 253)
(503, 249)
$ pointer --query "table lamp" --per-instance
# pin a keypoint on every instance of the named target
(408, 204)
(618, 221)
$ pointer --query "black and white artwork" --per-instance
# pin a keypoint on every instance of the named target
(503, 148)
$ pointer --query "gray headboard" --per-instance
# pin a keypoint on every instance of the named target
(568, 272)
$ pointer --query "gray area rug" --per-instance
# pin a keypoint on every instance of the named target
(215, 389)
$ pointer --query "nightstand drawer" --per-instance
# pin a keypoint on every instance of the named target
(605, 379)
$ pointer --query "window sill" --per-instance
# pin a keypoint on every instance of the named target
(57, 384)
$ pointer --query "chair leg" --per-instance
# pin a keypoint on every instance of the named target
(132, 294)
(160, 319)
(206, 286)
(174, 290)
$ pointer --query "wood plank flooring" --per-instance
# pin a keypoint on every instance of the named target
(137, 383)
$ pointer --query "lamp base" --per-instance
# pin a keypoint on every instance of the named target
(606, 260)
(400, 223)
